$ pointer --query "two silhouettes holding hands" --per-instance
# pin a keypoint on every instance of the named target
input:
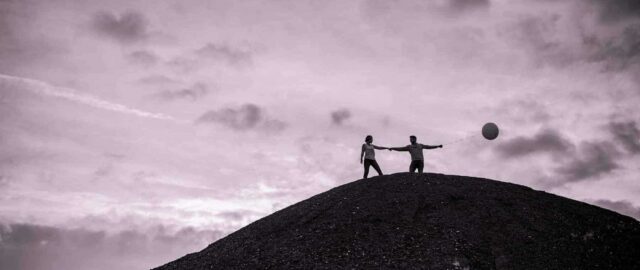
(414, 149)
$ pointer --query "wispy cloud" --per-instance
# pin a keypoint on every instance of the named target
(546, 141)
(595, 159)
(143, 58)
(246, 117)
(213, 54)
(36, 247)
(338, 117)
(46, 89)
(612, 11)
(628, 134)
(192, 93)
(129, 27)
(224, 53)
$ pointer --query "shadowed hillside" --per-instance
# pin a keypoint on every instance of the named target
(429, 221)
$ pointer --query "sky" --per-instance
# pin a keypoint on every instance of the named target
(135, 132)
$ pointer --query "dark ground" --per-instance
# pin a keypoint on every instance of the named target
(429, 221)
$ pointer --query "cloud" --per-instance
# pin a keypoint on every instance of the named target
(544, 37)
(213, 54)
(22, 45)
(192, 93)
(612, 11)
(622, 50)
(143, 58)
(245, 117)
(239, 215)
(157, 80)
(585, 161)
(535, 32)
(546, 141)
(127, 28)
(468, 4)
(622, 207)
(450, 7)
(274, 125)
(525, 109)
(45, 89)
(338, 117)
(595, 159)
(224, 53)
(4, 181)
(628, 134)
(34, 247)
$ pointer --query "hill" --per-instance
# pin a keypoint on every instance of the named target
(428, 221)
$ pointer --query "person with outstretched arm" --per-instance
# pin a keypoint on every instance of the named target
(369, 156)
(415, 149)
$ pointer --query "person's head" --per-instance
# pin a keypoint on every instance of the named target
(413, 139)
(368, 139)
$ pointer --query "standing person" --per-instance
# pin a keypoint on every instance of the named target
(415, 149)
(370, 156)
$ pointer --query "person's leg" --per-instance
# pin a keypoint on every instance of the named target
(376, 166)
(366, 168)
(412, 167)
(420, 166)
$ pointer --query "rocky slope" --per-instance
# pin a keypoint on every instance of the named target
(428, 221)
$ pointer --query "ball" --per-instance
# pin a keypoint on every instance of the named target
(490, 131)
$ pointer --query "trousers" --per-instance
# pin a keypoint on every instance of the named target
(371, 162)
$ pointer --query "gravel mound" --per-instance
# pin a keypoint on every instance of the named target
(428, 221)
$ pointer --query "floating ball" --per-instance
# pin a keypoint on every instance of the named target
(490, 131)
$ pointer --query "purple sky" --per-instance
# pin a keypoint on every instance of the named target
(143, 130)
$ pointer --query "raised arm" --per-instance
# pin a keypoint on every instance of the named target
(431, 146)
(404, 148)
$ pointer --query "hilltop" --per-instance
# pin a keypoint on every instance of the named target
(428, 221)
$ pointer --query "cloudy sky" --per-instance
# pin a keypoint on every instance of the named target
(134, 132)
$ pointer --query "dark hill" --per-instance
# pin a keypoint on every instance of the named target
(429, 221)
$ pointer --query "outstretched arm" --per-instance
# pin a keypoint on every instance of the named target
(361, 154)
(380, 147)
(431, 146)
(404, 148)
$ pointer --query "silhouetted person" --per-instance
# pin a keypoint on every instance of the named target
(415, 149)
(370, 156)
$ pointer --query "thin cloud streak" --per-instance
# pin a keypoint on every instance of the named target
(46, 89)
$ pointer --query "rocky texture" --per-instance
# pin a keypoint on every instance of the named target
(429, 221)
